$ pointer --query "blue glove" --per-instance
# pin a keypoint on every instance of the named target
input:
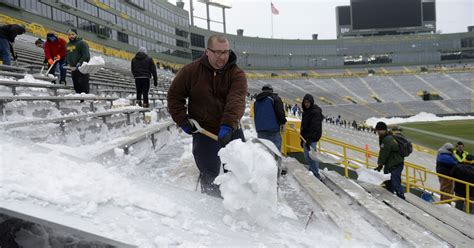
(188, 128)
(225, 135)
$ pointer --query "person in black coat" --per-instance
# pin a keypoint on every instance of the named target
(311, 131)
(143, 68)
(464, 172)
(8, 34)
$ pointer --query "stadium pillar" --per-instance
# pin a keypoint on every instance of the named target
(208, 19)
(223, 19)
(191, 11)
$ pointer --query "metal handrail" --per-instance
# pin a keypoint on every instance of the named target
(411, 180)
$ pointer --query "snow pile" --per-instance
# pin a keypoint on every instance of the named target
(251, 185)
(31, 172)
(371, 176)
(94, 65)
(81, 95)
(121, 102)
(30, 79)
(421, 117)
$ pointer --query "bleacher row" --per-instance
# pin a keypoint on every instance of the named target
(26, 103)
(359, 98)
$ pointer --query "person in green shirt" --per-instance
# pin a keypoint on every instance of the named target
(390, 159)
(77, 53)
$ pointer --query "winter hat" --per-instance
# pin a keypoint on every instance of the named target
(50, 36)
(142, 49)
(459, 143)
(267, 87)
(381, 126)
(72, 30)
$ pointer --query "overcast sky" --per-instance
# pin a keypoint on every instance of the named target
(299, 19)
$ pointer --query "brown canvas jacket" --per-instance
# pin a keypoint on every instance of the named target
(215, 97)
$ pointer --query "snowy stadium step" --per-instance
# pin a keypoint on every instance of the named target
(459, 220)
(13, 68)
(426, 220)
(384, 215)
(22, 75)
(70, 118)
(15, 84)
(54, 220)
(125, 143)
(338, 211)
(55, 99)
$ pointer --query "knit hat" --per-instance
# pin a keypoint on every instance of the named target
(460, 143)
(381, 126)
(142, 49)
(267, 87)
(73, 30)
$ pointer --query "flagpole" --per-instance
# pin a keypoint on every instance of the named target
(271, 18)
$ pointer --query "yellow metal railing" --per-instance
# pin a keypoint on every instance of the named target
(414, 177)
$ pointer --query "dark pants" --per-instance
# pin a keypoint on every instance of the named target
(62, 69)
(5, 51)
(205, 152)
(396, 180)
(80, 82)
(143, 86)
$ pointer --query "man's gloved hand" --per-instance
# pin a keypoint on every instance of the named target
(225, 135)
(58, 57)
(50, 61)
(155, 83)
(378, 168)
(188, 128)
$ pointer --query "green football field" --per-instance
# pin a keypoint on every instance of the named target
(435, 134)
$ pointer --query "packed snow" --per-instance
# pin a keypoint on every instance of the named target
(148, 212)
(94, 65)
(420, 117)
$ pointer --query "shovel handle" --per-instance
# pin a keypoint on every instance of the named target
(209, 134)
(51, 67)
(202, 130)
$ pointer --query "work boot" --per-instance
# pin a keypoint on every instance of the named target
(139, 103)
(146, 105)
(53, 82)
(63, 82)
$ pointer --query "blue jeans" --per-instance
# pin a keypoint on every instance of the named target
(313, 164)
(274, 137)
(62, 69)
(5, 51)
(396, 180)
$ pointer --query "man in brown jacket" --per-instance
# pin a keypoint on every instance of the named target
(215, 88)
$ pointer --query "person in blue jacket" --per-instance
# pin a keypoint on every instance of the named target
(269, 116)
(445, 162)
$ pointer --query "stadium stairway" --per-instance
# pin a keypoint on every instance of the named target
(351, 204)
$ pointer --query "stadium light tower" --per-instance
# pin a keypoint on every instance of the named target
(224, 4)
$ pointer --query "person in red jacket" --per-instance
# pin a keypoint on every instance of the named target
(55, 49)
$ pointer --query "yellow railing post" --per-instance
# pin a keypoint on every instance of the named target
(346, 169)
(407, 178)
(468, 199)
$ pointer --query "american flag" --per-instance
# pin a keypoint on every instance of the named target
(274, 10)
